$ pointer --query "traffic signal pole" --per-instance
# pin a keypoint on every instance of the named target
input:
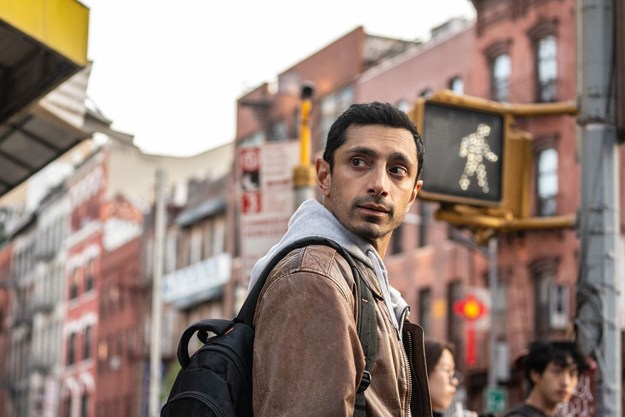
(304, 178)
(492, 336)
(597, 316)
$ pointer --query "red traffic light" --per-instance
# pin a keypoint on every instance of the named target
(470, 308)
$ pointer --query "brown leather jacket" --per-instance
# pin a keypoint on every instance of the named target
(308, 360)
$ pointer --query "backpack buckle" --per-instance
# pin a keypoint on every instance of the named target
(365, 381)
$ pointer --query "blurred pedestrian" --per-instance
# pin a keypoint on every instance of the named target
(552, 370)
(443, 378)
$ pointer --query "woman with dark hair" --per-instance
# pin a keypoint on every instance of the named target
(442, 376)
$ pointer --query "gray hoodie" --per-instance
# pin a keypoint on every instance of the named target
(313, 219)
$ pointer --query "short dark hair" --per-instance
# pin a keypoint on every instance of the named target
(364, 114)
(434, 350)
(541, 353)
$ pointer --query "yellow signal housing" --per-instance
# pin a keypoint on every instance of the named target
(517, 175)
(486, 214)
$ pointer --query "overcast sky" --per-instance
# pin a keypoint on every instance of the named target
(170, 71)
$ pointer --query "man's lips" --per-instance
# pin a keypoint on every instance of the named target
(375, 208)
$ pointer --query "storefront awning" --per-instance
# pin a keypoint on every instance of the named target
(43, 132)
(42, 43)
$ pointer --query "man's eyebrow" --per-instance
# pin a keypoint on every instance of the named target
(395, 156)
(362, 150)
(399, 156)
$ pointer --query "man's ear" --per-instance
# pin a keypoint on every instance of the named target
(415, 191)
(324, 178)
(534, 377)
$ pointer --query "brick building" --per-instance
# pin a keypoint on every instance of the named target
(86, 190)
(121, 347)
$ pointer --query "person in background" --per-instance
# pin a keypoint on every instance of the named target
(552, 370)
(443, 378)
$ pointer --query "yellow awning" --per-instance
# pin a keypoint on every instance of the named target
(42, 43)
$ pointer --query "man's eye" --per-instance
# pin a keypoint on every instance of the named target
(358, 162)
(399, 170)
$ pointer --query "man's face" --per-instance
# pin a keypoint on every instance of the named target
(557, 383)
(373, 181)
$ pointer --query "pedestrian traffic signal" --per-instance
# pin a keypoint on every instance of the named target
(465, 140)
(479, 164)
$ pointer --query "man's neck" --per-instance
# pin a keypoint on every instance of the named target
(539, 403)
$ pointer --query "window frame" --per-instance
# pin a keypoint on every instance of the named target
(544, 28)
(546, 90)
(542, 145)
(499, 85)
(492, 53)
(453, 84)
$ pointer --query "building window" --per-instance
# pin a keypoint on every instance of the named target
(278, 132)
(68, 407)
(195, 245)
(547, 182)
(84, 405)
(456, 85)
(73, 286)
(426, 92)
(170, 253)
(219, 236)
(71, 349)
(396, 240)
(425, 309)
(500, 77)
(541, 309)
(424, 223)
(559, 306)
(331, 107)
(546, 68)
(403, 105)
(89, 277)
(543, 272)
(87, 343)
(255, 139)
(454, 321)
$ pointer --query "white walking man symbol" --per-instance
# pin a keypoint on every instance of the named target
(475, 148)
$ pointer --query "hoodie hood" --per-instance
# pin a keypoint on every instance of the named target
(313, 219)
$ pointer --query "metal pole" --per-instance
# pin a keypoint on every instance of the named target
(492, 284)
(597, 317)
(304, 178)
(157, 307)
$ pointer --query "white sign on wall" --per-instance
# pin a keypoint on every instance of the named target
(267, 201)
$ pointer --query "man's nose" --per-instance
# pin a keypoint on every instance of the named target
(379, 182)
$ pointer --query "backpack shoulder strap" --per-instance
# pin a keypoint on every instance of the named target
(365, 309)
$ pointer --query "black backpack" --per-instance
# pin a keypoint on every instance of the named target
(217, 380)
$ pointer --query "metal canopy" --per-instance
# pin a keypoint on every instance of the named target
(42, 44)
(27, 70)
(30, 142)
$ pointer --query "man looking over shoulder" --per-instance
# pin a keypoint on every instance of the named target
(552, 371)
(308, 359)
